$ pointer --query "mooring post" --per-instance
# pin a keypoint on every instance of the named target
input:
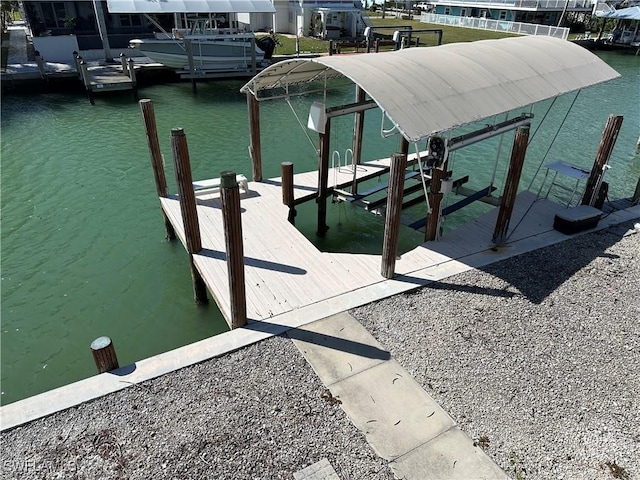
(253, 106)
(508, 199)
(157, 162)
(182, 167)
(608, 141)
(358, 128)
(392, 216)
(123, 62)
(254, 63)
(432, 229)
(635, 200)
(232, 221)
(330, 47)
(376, 45)
(323, 178)
(40, 64)
(84, 69)
(404, 146)
(192, 68)
(286, 169)
(104, 354)
(132, 77)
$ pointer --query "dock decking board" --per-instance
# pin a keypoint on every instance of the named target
(284, 271)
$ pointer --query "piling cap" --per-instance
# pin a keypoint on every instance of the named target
(228, 179)
(100, 343)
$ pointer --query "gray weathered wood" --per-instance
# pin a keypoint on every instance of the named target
(393, 213)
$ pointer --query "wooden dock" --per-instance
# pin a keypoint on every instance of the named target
(107, 78)
(284, 271)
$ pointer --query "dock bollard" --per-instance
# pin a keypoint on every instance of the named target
(104, 354)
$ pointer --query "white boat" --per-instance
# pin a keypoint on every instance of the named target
(212, 48)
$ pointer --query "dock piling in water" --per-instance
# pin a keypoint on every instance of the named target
(193, 242)
(149, 118)
(609, 137)
(104, 354)
(287, 190)
(232, 221)
(323, 178)
(508, 200)
(253, 106)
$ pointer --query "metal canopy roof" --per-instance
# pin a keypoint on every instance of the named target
(190, 6)
(424, 91)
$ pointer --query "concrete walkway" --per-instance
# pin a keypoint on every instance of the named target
(401, 422)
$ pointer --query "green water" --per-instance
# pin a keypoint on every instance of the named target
(83, 251)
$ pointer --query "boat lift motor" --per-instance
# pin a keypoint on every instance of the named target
(436, 152)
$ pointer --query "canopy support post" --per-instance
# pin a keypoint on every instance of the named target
(358, 129)
(394, 211)
(508, 200)
(609, 137)
(435, 197)
(255, 152)
(323, 178)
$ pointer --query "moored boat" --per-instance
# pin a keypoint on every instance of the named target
(212, 48)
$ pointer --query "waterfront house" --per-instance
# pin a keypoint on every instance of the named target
(59, 28)
(541, 12)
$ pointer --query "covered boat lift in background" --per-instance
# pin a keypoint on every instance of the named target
(425, 93)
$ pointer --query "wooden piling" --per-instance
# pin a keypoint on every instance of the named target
(432, 231)
(255, 151)
(635, 200)
(84, 72)
(123, 62)
(404, 146)
(609, 137)
(508, 199)
(232, 221)
(254, 63)
(392, 216)
(188, 46)
(157, 163)
(182, 167)
(40, 64)
(358, 129)
(287, 190)
(323, 178)
(132, 77)
(104, 354)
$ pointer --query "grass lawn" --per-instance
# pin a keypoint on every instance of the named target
(449, 35)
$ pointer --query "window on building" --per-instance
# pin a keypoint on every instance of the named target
(463, 12)
(129, 20)
(503, 15)
(483, 14)
(447, 10)
(53, 14)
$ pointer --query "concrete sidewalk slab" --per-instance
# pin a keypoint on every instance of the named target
(391, 409)
(452, 455)
(321, 470)
(338, 347)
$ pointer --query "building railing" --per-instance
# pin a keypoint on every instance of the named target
(586, 5)
(516, 28)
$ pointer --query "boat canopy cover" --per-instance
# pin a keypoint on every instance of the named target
(631, 13)
(190, 6)
(427, 90)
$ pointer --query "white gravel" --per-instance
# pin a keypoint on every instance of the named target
(537, 357)
(253, 414)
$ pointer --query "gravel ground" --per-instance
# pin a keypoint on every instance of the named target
(537, 357)
(253, 414)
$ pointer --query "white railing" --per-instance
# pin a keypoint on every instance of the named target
(505, 26)
(525, 4)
